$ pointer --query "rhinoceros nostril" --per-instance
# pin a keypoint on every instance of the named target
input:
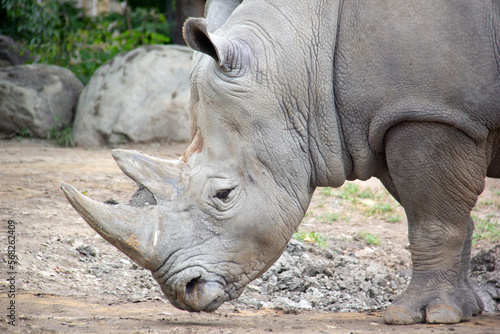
(194, 289)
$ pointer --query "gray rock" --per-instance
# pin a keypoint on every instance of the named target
(350, 284)
(36, 98)
(486, 278)
(10, 52)
(87, 250)
(138, 96)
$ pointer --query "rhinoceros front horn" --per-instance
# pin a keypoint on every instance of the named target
(130, 229)
(133, 230)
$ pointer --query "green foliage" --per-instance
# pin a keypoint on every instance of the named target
(62, 135)
(160, 4)
(56, 32)
(25, 133)
(369, 238)
(312, 237)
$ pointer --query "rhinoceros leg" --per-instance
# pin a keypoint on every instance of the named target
(437, 173)
(384, 176)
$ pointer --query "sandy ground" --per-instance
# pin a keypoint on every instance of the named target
(55, 290)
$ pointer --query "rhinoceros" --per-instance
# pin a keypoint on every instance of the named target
(288, 96)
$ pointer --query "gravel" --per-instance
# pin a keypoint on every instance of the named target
(304, 277)
(308, 277)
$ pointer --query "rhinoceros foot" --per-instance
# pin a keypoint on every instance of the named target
(416, 306)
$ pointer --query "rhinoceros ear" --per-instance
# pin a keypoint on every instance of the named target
(218, 11)
(228, 54)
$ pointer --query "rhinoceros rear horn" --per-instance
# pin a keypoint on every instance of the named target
(132, 230)
(163, 178)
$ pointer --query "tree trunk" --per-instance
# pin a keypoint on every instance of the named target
(185, 9)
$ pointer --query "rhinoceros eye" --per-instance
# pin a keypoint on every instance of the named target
(223, 194)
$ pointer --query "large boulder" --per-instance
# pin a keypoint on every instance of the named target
(139, 96)
(36, 99)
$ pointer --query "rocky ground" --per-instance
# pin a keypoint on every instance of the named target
(351, 257)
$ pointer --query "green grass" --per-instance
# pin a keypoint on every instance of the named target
(486, 229)
(379, 208)
(353, 201)
(348, 192)
(328, 217)
(327, 191)
(369, 238)
(312, 237)
(25, 133)
(367, 194)
(62, 135)
(393, 218)
(364, 201)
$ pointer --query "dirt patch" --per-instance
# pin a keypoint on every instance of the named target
(352, 258)
(56, 314)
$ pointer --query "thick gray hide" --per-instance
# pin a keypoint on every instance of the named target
(36, 98)
(139, 96)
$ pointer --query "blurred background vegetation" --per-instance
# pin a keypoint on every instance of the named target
(81, 36)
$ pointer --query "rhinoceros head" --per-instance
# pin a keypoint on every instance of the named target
(204, 225)
(217, 218)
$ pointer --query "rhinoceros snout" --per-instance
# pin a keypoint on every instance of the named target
(201, 295)
(194, 292)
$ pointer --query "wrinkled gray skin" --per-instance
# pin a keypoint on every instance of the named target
(287, 97)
